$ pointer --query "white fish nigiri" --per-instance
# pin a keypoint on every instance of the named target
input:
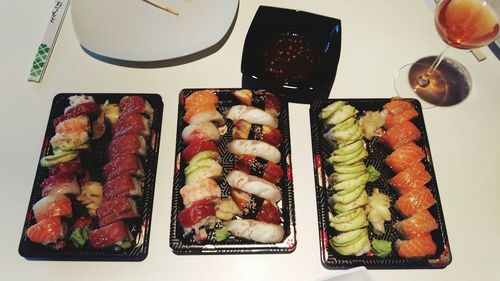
(254, 185)
(256, 148)
(203, 130)
(252, 114)
(256, 230)
(208, 116)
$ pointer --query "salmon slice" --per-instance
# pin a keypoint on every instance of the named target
(404, 157)
(200, 98)
(399, 111)
(401, 134)
(411, 178)
(420, 224)
(416, 200)
(416, 248)
(73, 125)
(201, 108)
(52, 206)
(46, 231)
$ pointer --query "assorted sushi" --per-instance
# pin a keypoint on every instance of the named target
(232, 167)
(379, 185)
(90, 198)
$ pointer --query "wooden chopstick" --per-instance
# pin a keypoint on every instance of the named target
(161, 6)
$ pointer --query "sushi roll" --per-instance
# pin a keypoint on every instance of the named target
(204, 189)
(117, 208)
(263, 100)
(123, 185)
(256, 231)
(116, 233)
(127, 144)
(254, 185)
(251, 114)
(197, 131)
(419, 247)
(60, 184)
(47, 231)
(259, 167)
(248, 131)
(132, 123)
(197, 217)
(255, 148)
(416, 200)
(205, 168)
(79, 105)
(52, 206)
(68, 141)
(208, 116)
(71, 167)
(135, 105)
(197, 146)
(73, 125)
(123, 164)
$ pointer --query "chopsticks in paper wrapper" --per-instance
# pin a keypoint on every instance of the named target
(49, 40)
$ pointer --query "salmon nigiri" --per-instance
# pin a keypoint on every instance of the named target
(401, 134)
(410, 178)
(46, 231)
(420, 224)
(416, 200)
(404, 157)
(416, 248)
(399, 111)
(199, 98)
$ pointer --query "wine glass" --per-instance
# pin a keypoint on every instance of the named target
(463, 24)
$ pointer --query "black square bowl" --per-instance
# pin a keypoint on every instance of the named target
(291, 52)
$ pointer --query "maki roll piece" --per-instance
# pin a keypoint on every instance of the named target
(123, 185)
(123, 164)
(254, 185)
(404, 157)
(420, 224)
(127, 144)
(416, 200)
(137, 105)
(401, 134)
(418, 247)
(201, 131)
(255, 148)
(52, 206)
(263, 100)
(411, 178)
(251, 114)
(199, 215)
(50, 230)
(248, 131)
(115, 209)
(204, 189)
(86, 107)
(197, 146)
(71, 167)
(257, 166)
(256, 230)
(131, 124)
(60, 184)
(116, 233)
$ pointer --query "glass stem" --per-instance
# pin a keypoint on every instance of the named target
(425, 79)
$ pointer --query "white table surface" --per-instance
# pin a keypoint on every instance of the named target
(377, 39)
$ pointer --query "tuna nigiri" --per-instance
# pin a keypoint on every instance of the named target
(46, 231)
(420, 224)
(416, 248)
(52, 206)
(401, 134)
(404, 157)
(416, 200)
(410, 178)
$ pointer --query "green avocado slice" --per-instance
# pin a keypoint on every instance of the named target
(355, 248)
(58, 157)
(341, 114)
(361, 180)
(361, 156)
(208, 154)
(346, 134)
(358, 202)
(348, 197)
(350, 169)
(345, 124)
(337, 177)
(357, 222)
(346, 217)
(204, 163)
(350, 148)
(338, 159)
(348, 238)
(329, 110)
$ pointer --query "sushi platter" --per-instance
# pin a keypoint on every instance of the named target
(233, 187)
(402, 218)
(92, 196)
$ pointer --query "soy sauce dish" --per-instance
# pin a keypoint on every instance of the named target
(292, 52)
